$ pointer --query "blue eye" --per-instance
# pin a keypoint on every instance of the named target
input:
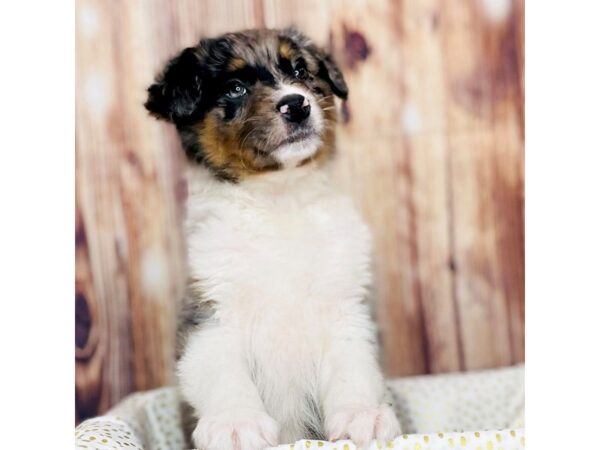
(236, 91)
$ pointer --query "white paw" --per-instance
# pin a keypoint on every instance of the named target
(362, 425)
(244, 429)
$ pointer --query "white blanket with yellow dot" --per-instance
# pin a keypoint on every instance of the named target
(434, 411)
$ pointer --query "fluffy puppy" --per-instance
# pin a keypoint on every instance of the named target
(276, 342)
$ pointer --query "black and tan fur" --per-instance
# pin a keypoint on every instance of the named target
(234, 138)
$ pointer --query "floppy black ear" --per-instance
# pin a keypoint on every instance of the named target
(177, 92)
(329, 71)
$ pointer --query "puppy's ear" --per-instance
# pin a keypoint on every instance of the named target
(177, 92)
(330, 72)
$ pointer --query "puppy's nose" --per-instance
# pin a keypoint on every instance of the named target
(294, 108)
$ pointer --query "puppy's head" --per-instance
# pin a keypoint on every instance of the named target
(250, 102)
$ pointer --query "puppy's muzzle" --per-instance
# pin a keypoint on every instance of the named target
(294, 108)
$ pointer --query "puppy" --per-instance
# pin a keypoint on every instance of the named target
(276, 341)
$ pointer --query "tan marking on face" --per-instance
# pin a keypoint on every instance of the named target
(327, 148)
(223, 149)
(236, 64)
(223, 144)
(285, 50)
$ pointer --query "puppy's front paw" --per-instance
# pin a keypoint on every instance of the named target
(362, 425)
(244, 429)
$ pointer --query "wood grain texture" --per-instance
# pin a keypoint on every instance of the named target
(431, 149)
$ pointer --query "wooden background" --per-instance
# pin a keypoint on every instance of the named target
(431, 149)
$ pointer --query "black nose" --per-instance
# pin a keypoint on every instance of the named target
(294, 108)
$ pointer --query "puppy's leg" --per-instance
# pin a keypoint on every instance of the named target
(352, 390)
(215, 380)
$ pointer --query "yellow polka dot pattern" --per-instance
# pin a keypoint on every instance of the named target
(433, 411)
(482, 440)
(145, 420)
(489, 399)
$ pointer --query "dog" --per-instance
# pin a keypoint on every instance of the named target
(276, 342)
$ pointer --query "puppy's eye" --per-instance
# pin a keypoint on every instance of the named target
(236, 91)
(300, 73)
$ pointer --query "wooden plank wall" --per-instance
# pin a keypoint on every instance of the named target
(431, 149)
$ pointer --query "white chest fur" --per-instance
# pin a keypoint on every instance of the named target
(284, 258)
(287, 242)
